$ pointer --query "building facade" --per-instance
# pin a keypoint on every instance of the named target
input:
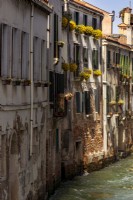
(24, 99)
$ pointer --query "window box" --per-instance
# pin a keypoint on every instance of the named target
(38, 84)
(6, 81)
(120, 102)
(60, 43)
(97, 73)
(45, 84)
(26, 82)
(16, 82)
(112, 103)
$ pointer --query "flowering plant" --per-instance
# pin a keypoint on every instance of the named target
(80, 28)
(120, 102)
(97, 34)
(68, 95)
(97, 72)
(84, 75)
(72, 25)
(65, 66)
(89, 30)
(113, 102)
(87, 70)
(64, 22)
(72, 67)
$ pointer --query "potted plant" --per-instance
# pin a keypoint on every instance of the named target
(97, 72)
(6, 80)
(72, 25)
(97, 34)
(65, 66)
(38, 84)
(120, 102)
(80, 28)
(84, 75)
(73, 67)
(88, 30)
(65, 22)
(16, 82)
(68, 96)
(26, 82)
(112, 103)
(60, 43)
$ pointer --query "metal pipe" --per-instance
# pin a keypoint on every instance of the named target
(31, 77)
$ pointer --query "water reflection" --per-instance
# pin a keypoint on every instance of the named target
(112, 183)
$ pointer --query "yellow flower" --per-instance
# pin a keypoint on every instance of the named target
(72, 25)
(65, 66)
(72, 67)
(87, 70)
(84, 75)
(97, 72)
(80, 28)
(97, 34)
(89, 30)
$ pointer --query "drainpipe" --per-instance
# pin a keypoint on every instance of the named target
(31, 77)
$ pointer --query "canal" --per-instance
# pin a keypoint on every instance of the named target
(111, 183)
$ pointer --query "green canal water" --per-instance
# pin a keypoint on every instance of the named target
(111, 183)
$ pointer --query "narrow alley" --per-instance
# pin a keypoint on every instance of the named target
(111, 183)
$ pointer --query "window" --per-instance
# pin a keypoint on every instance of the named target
(117, 58)
(77, 57)
(56, 48)
(6, 45)
(51, 87)
(94, 23)
(57, 140)
(16, 53)
(43, 61)
(108, 98)
(37, 59)
(76, 17)
(114, 57)
(108, 59)
(85, 20)
(87, 102)
(97, 99)
(95, 59)
(25, 55)
(85, 57)
(78, 102)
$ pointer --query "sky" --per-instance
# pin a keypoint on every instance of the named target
(110, 5)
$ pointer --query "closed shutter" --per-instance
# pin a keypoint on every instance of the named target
(60, 83)
(16, 53)
(78, 102)
(51, 87)
(108, 58)
(95, 59)
(108, 98)
(57, 140)
(55, 36)
(25, 55)
(87, 102)
(6, 45)
(97, 100)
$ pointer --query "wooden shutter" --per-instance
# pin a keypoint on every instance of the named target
(57, 140)
(51, 87)
(25, 55)
(97, 100)
(6, 45)
(87, 102)
(78, 102)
